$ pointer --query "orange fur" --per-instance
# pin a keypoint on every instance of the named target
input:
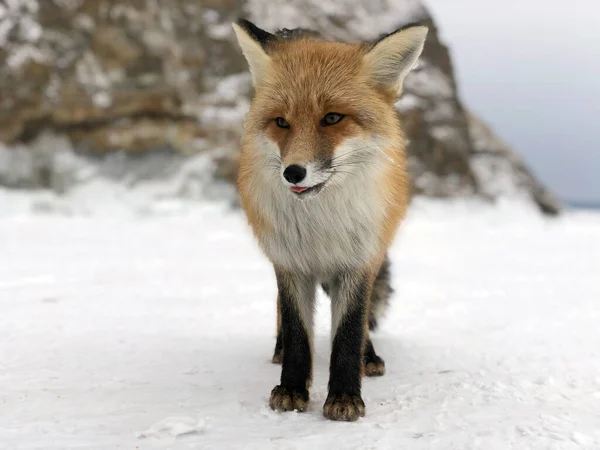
(307, 79)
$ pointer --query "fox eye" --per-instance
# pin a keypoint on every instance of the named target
(281, 122)
(331, 119)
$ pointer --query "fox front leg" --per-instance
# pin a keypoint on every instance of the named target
(296, 304)
(349, 304)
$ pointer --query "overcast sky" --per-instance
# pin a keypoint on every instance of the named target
(531, 68)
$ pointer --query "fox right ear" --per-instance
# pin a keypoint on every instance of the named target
(253, 40)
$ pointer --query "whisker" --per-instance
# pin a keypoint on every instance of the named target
(338, 171)
(355, 150)
(353, 163)
(361, 149)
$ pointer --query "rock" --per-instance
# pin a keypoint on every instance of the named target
(99, 78)
(502, 173)
(93, 69)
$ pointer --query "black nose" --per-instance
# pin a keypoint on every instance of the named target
(294, 173)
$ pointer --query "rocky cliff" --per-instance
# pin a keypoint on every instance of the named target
(146, 90)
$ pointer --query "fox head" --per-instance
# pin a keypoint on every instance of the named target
(323, 110)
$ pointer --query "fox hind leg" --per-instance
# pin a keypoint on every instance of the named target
(278, 352)
(373, 365)
(380, 296)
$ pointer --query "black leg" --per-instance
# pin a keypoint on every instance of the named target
(350, 296)
(296, 298)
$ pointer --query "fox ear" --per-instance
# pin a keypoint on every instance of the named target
(253, 41)
(391, 58)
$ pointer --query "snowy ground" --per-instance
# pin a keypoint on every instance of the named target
(157, 333)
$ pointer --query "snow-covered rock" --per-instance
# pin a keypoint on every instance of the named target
(81, 82)
(501, 173)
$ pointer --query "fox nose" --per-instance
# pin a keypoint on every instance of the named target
(294, 173)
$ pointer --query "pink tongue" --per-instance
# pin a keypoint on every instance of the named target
(298, 189)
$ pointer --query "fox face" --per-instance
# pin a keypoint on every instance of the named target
(323, 112)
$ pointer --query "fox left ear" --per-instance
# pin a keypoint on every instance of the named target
(394, 56)
(253, 41)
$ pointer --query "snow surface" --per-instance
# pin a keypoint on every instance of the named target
(156, 332)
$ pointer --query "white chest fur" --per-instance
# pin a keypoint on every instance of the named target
(336, 230)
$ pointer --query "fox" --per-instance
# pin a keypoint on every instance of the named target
(323, 183)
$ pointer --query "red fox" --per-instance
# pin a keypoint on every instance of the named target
(323, 183)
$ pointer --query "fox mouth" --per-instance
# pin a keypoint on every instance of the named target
(303, 191)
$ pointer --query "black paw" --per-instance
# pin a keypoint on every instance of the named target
(374, 366)
(344, 407)
(284, 399)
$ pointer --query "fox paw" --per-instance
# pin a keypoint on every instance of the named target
(284, 399)
(277, 357)
(344, 407)
(375, 367)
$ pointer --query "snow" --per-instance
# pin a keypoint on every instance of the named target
(73, 184)
(90, 73)
(124, 331)
(18, 18)
(429, 81)
(440, 110)
(173, 427)
(444, 132)
(409, 102)
(227, 103)
(102, 99)
(499, 171)
(342, 19)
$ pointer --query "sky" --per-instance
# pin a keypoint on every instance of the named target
(531, 69)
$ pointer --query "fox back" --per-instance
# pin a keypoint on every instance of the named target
(323, 168)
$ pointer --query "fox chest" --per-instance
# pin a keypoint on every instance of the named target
(322, 237)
